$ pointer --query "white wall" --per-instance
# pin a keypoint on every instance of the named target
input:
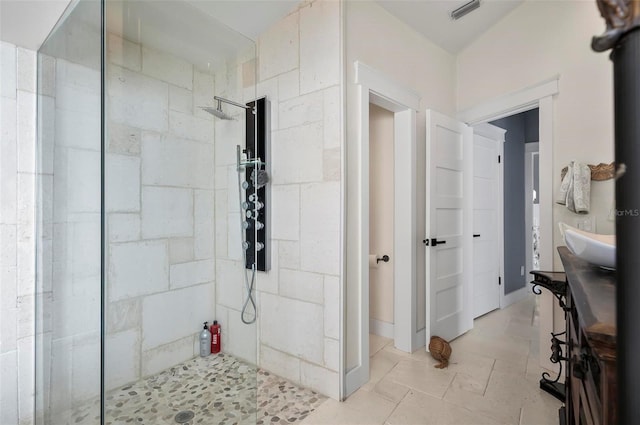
(299, 299)
(537, 41)
(17, 233)
(382, 42)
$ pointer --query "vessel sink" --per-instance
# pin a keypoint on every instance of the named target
(599, 250)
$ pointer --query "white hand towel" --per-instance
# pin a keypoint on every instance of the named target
(581, 188)
(567, 182)
(575, 190)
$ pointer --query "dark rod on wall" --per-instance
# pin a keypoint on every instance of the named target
(623, 37)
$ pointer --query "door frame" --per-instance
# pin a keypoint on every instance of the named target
(530, 151)
(541, 96)
(375, 87)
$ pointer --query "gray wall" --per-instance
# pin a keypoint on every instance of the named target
(521, 128)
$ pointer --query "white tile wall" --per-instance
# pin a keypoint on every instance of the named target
(303, 287)
(241, 338)
(191, 127)
(9, 387)
(8, 70)
(180, 99)
(288, 85)
(26, 68)
(269, 281)
(331, 354)
(204, 231)
(192, 273)
(124, 53)
(292, 326)
(137, 100)
(285, 209)
(170, 161)
(324, 380)
(319, 46)
(280, 363)
(203, 92)
(229, 283)
(332, 124)
(169, 316)
(17, 253)
(319, 225)
(278, 48)
(124, 227)
(180, 250)
(163, 357)
(301, 110)
(332, 306)
(122, 185)
(289, 254)
(123, 139)
(166, 212)
(137, 268)
(123, 315)
(167, 68)
(85, 376)
(293, 149)
(122, 358)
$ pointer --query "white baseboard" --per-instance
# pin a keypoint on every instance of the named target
(515, 296)
(380, 328)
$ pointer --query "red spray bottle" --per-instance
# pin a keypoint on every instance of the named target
(215, 337)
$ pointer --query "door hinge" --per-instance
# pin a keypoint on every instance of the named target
(499, 280)
(498, 159)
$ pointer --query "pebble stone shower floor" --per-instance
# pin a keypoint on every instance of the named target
(219, 390)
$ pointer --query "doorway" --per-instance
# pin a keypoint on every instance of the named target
(381, 230)
(520, 145)
(374, 87)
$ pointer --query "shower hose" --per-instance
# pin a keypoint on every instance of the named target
(248, 283)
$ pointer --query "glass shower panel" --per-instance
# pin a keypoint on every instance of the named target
(173, 249)
(68, 304)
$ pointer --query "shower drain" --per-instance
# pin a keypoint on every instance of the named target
(184, 416)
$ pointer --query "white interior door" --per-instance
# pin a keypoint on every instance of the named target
(448, 226)
(487, 205)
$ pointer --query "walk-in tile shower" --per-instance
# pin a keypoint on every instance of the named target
(152, 216)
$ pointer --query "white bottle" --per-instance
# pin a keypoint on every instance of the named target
(205, 341)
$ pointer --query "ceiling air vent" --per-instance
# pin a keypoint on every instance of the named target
(464, 9)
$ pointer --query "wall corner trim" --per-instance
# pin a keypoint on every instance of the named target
(379, 83)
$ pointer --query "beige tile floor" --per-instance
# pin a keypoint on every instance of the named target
(492, 379)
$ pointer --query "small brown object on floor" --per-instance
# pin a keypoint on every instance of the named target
(440, 350)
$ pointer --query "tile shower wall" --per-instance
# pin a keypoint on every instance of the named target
(17, 254)
(299, 70)
(159, 197)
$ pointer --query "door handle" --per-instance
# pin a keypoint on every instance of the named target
(435, 241)
(476, 235)
(384, 258)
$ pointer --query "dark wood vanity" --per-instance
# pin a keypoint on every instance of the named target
(591, 390)
(588, 348)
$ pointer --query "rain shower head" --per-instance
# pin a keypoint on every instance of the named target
(218, 112)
